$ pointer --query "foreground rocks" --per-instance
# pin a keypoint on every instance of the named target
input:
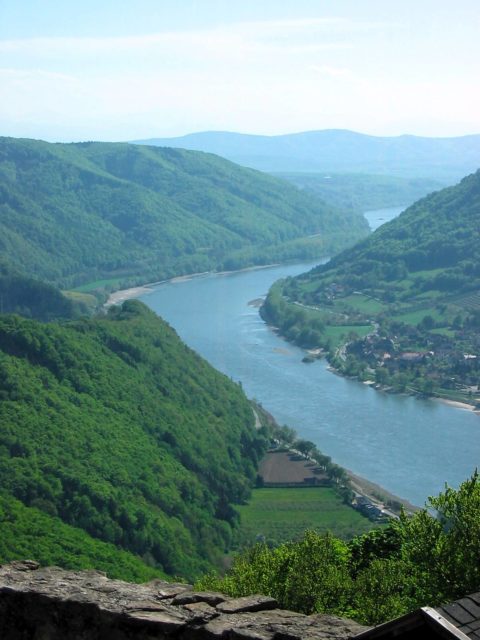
(56, 604)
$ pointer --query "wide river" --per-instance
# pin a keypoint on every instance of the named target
(407, 445)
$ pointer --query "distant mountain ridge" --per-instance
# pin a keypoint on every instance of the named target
(339, 150)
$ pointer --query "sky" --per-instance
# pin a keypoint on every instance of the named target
(127, 70)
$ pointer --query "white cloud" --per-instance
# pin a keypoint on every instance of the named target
(278, 35)
(263, 77)
(334, 72)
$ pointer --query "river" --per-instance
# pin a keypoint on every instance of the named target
(407, 445)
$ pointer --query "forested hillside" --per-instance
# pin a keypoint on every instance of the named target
(364, 192)
(117, 428)
(33, 298)
(76, 213)
(441, 231)
(412, 287)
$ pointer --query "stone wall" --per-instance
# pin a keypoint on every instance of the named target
(56, 604)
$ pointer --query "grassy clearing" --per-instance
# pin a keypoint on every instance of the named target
(338, 333)
(97, 284)
(363, 304)
(284, 514)
(414, 317)
(444, 331)
(85, 298)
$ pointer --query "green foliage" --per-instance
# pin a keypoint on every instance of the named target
(34, 299)
(445, 550)
(119, 429)
(307, 576)
(428, 558)
(384, 591)
(76, 213)
(28, 532)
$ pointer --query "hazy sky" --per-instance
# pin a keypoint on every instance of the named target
(125, 69)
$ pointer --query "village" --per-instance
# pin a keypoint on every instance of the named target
(403, 357)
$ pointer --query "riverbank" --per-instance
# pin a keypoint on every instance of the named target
(380, 436)
(117, 297)
(377, 493)
(456, 404)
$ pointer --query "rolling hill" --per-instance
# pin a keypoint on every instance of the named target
(339, 150)
(118, 213)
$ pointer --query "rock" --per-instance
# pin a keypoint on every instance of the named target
(56, 604)
(317, 627)
(169, 589)
(249, 625)
(248, 603)
(210, 597)
(202, 612)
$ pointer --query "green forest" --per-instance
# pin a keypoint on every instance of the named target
(33, 298)
(113, 426)
(78, 213)
(404, 301)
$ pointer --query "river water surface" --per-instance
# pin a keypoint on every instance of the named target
(409, 446)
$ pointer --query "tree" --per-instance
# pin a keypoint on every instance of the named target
(304, 446)
(381, 375)
(427, 323)
(445, 548)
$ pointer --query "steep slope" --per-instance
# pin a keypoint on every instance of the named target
(32, 298)
(339, 150)
(413, 286)
(438, 232)
(119, 429)
(29, 532)
(74, 213)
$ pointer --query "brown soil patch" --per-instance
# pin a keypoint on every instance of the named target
(285, 467)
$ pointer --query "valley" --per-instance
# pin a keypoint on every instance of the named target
(390, 432)
(405, 300)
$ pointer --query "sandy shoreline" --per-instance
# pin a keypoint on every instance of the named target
(458, 404)
(120, 296)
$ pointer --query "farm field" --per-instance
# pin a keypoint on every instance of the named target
(281, 514)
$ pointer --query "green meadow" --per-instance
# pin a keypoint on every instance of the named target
(278, 515)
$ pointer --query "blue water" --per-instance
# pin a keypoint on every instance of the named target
(409, 446)
(378, 217)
